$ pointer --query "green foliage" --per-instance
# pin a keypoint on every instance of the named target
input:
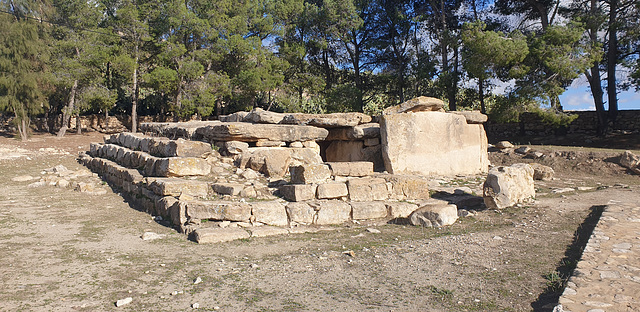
(553, 118)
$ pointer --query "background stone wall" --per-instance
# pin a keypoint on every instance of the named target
(586, 123)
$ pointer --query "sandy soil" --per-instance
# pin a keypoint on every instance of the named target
(64, 250)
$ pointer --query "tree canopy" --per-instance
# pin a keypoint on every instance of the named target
(206, 58)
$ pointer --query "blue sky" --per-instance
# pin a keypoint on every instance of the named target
(578, 97)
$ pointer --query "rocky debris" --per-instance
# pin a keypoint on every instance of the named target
(218, 235)
(504, 145)
(373, 231)
(472, 117)
(334, 120)
(149, 236)
(124, 301)
(433, 143)
(246, 132)
(434, 215)
(236, 147)
(630, 161)
(542, 172)
(419, 104)
(523, 150)
(507, 186)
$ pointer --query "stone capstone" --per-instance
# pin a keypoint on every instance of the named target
(359, 132)
(419, 104)
(507, 186)
(247, 132)
(472, 117)
(334, 120)
(259, 115)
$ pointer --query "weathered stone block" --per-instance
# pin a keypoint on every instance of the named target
(332, 190)
(259, 115)
(269, 143)
(181, 166)
(351, 169)
(408, 187)
(236, 147)
(367, 189)
(218, 210)
(300, 213)
(334, 120)
(344, 151)
(542, 172)
(368, 210)
(309, 173)
(400, 209)
(270, 212)
(331, 211)
(472, 117)
(433, 143)
(507, 186)
(219, 235)
(298, 192)
(359, 132)
(301, 156)
(435, 215)
(273, 162)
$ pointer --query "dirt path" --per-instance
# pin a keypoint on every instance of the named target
(64, 250)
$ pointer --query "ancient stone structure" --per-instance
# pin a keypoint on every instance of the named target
(267, 170)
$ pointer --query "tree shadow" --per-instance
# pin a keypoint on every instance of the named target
(557, 281)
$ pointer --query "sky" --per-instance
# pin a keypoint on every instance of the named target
(578, 97)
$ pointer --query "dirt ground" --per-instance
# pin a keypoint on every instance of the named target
(64, 250)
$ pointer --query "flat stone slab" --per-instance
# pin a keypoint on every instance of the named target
(419, 104)
(607, 277)
(359, 132)
(219, 235)
(334, 120)
(247, 132)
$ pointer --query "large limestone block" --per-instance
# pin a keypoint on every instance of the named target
(300, 213)
(232, 189)
(332, 190)
(219, 235)
(181, 166)
(367, 189)
(301, 156)
(419, 104)
(507, 186)
(408, 187)
(368, 210)
(630, 161)
(331, 212)
(310, 173)
(270, 212)
(259, 115)
(359, 132)
(401, 209)
(247, 132)
(273, 162)
(434, 215)
(177, 187)
(217, 210)
(433, 143)
(472, 117)
(163, 147)
(298, 192)
(327, 120)
(351, 169)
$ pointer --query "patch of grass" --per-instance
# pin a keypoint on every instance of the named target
(250, 295)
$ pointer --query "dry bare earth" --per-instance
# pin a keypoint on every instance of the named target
(64, 250)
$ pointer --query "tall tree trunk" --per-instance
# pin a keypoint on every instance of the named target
(612, 58)
(134, 100)
(453, 88)
(78, 124)
(23, 129)
(67, 111)
(106, 121)
(483, 109)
